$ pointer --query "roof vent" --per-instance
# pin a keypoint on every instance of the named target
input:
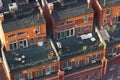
(12, 7)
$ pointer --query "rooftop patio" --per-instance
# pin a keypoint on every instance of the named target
(73, 46)
(30, 57)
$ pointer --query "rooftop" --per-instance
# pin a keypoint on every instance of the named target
(114, 32)
(5, 5)
(26, 15)
(33, 56)
(74, 46)
(69, 9)
(109, 3)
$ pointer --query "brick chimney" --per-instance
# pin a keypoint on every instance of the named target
(1, 17)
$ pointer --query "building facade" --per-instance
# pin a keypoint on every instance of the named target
(61, 40)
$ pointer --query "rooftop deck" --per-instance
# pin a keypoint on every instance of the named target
(71, 8)
(33, 56)
(114, 32)
(74, 46)
(109, 3)
(27, 15)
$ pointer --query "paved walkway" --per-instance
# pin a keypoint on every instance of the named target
(2, 73)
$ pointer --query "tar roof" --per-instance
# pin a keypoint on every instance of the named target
(27, 15)
(114, 32)
(70, 9)
(73, 46)
(109, 3)
(34, 56)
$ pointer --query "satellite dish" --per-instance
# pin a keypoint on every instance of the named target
(40, 43)
(59, 45)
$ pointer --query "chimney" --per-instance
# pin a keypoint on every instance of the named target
(51, 7)
(1, 17)
(88, 2)
(27, 1)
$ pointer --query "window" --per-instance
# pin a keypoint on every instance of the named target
(49, 69)
(67, 65)
(21, 33)
(69, 32)
(70, 22)
(114, 19)
(79, 30)
(106, 21)
(85, 18)
(22, 43)
(12, 35)
(19, 77)
(96, 76)
(86, 77)
(118, 76)
(112, 51)
(60, 35)
(37, 30)
(110, 77)
(61, 24)
(111, 67)
(30, 75)
(77, 64)
(32, 41)
(13, 46)
(86, 61)
(40, 73)
(86, 28)
(40, 38)
(108, 11)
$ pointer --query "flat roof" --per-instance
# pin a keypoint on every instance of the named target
(26, 16)
(34, 56)
(114, 32)
(109, 3)
(5, 5)
(71, 8)
(73, 46)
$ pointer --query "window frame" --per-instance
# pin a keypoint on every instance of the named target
(19, 77)
(30, 75)
(108, 11)
(86, 18)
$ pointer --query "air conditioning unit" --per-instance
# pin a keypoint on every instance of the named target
(12, 7)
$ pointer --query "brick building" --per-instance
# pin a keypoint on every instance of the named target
(84, 47)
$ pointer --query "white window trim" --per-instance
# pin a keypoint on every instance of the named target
(108, 13)
(68, 67)
(26, 42)
(12, 44)
(30, 75)
(70, 32)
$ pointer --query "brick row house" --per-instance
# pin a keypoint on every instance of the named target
(69, 21)
(28, 53)
(109, 14)
(60, 40)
